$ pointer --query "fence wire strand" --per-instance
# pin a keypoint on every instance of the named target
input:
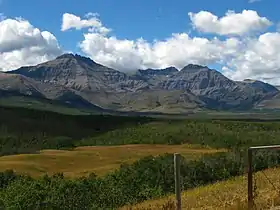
(269, 181)
(263, 177)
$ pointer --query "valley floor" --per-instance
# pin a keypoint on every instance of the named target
(231, 194)
(98, 159)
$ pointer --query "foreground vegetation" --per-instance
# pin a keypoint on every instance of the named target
(30, 131)
(230, 194)
(148, 178)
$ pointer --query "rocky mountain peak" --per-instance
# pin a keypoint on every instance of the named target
(66, 56)
(157, 72)
(249, 80)
(78, 58)
(74, 71)
(193, 67)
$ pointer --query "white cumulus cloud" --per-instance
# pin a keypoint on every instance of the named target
(70, 21)
(242, 57)
(256, 56)
(23, 44)
(177, 50)
(259, 59)
(231, 24)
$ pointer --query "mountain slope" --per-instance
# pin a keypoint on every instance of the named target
(216, 90)
(11, 84)
(19, 85)
(270, 103)
(41, 104)
(193, 87)
(73, 71)
(158, 101)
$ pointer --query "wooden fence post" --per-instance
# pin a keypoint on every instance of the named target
(250, 180)
(177, 181)
(250, 170)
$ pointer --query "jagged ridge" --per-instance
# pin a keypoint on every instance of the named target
(198, 85)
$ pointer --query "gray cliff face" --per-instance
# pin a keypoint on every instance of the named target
(192, 87)
(19, 84)
(74, 71)
(216, 90)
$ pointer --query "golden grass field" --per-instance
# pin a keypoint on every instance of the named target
(231, 195)
(98, 159)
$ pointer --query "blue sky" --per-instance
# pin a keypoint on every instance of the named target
(129, 19)
(239, 38)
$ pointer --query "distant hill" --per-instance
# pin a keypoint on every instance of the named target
(83, 83)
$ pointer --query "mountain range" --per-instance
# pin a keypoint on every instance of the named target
(83, 83)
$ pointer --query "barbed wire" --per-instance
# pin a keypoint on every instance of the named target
(262, 172)
(269, 181)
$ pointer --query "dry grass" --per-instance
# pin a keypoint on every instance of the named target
(84, 160)
(231, 194)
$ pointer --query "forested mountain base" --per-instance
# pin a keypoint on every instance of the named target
(27, 131)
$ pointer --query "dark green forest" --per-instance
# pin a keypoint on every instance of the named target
(27, 131)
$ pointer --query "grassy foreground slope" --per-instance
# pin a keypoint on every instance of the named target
(230, 194)
(100, 160)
